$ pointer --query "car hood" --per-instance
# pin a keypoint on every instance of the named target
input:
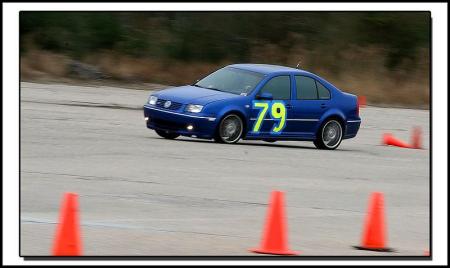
(193, 95)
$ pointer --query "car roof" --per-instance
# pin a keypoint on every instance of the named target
(267, 68)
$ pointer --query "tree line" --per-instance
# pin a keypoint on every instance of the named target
(215, 36)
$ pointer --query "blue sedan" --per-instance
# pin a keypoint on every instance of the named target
(256, 102)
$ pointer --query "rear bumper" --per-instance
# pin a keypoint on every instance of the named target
(178, 122)
(352, 128)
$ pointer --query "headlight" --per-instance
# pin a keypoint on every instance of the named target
(193, 108)
(152, 100)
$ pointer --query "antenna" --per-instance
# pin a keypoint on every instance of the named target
(298, 64)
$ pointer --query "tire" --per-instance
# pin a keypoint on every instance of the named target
(329, 136)
(230, 129)
(167, 134)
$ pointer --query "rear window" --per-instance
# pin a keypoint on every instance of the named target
(306, 88)
(310, 89)
(324, 93)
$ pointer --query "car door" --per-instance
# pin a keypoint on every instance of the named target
(269, 116)
(310, 102)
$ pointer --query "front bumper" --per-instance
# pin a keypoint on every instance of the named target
(177, 122)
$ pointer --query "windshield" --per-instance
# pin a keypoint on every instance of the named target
(231, 80)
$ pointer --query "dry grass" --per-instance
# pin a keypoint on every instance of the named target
(359, 70)
(149, 70)
(38, 63)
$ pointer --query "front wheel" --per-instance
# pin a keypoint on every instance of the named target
(230, 129)
(329, 136)
(167, 134)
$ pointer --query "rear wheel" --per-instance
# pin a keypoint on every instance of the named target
(230, 129)
(167, 134)
(329, 136)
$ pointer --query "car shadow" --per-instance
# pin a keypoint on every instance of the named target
(244, 143)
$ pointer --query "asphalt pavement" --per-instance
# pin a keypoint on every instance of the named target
(141, 194)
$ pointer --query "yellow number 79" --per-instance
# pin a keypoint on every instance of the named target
(277, 112)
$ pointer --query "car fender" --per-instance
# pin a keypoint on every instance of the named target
(232, 108)
(333, 112)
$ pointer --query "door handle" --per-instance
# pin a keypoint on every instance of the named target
(288, 106)
(323, 105)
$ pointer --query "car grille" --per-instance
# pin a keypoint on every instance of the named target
(173, 106)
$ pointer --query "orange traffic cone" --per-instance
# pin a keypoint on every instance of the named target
(362, 101)
(416, 138)
(274, 239)
(67, 240)
(374, 235)
(388, 139)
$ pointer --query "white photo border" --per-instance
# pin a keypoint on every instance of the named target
(11, 137)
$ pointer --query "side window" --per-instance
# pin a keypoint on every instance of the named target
(324, 93)
(279, 87)
(306, 88)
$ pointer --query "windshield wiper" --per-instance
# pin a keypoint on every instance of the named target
(195, 85)
(214, 89)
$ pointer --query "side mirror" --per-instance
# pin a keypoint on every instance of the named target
(264, 96)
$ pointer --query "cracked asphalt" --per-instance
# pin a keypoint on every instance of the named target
(141, 195)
